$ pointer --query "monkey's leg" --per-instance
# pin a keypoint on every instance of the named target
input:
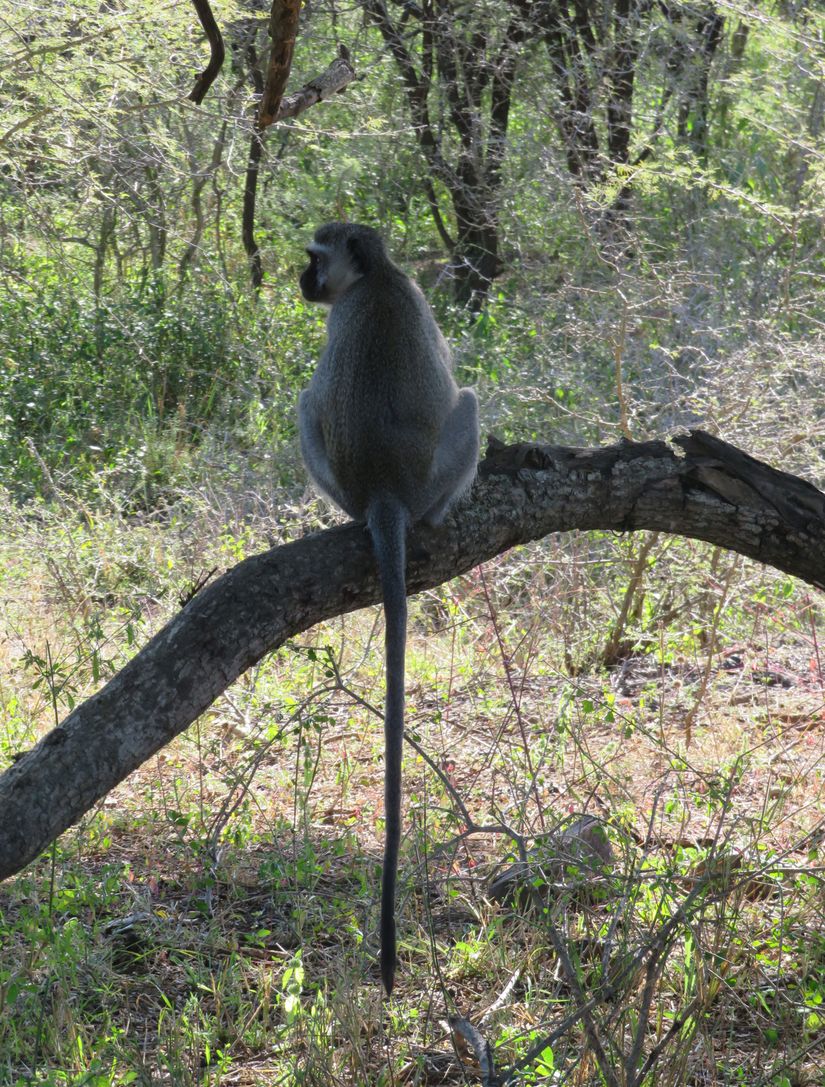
(456, 458)
(314, 452)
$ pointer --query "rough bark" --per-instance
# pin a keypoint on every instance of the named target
(707, 490)
(283, 26)
(334, 80)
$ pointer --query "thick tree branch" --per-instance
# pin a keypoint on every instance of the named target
(708, 490)
(216, 55)
(250, 187)
(283, 26)
(333, 80)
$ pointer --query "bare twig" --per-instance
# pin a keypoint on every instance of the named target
(612, 648)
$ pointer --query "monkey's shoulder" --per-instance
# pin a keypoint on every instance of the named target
(387, 317)
(385, 296)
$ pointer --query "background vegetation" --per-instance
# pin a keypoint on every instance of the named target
(616, 209)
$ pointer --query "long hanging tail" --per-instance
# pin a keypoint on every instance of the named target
(387, 520)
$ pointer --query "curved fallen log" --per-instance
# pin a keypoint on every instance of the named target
(705, 489)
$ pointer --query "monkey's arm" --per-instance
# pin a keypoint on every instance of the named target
(314, 451)
(456, 457)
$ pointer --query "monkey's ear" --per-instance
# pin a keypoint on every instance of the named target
(357, 255)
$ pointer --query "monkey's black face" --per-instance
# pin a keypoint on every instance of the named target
(313, 279)
(332, 270)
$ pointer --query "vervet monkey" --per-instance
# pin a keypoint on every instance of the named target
(387, 434)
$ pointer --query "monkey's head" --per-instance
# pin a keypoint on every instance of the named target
(339, 255)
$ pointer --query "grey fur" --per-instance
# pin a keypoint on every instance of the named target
(387, 434)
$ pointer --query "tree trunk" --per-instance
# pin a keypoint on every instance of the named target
(250, 188)
(621, 77)
(711, 491)
(454, 58)
(692, 121)
(475, 263)
(567, 42)
(217, 52)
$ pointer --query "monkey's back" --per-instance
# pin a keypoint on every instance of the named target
(384, 395)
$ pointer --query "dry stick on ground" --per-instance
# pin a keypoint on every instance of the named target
(711, 492)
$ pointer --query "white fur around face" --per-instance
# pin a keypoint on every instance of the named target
(336, 275)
